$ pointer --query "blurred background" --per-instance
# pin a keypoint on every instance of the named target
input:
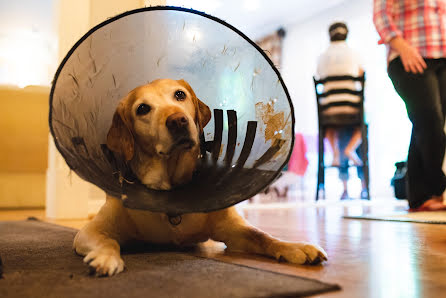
(36, 35)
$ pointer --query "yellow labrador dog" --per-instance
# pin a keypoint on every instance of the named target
(156, 128)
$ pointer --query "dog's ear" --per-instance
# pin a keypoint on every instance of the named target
(119, 137)
(202, 111)
(204, 114)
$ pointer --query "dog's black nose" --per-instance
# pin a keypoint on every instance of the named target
(177, 124)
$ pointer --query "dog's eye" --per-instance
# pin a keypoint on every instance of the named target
(180, 95)
(143, 109)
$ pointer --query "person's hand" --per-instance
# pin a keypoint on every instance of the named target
(412, 60)
(410, 57)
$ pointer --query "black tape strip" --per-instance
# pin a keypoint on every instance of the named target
(218, 132)
(232, 136)
(269, 153)
(247, 145)
(202, 144)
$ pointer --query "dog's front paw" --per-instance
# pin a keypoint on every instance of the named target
(300, 253)
(103, 263)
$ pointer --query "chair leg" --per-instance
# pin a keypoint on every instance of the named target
(367, 173)
(323, 179)
(322, 148)
(318, 176)
(366, 177)
(365, 156)
(320, 170)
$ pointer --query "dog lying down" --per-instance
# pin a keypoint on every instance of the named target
(156, 127)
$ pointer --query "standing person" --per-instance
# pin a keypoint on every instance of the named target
(415, 35)
(340, 60)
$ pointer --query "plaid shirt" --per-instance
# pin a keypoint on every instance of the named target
(422, 23)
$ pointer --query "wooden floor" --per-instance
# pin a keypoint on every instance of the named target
(366, 258)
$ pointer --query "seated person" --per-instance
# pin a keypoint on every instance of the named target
(338, 60)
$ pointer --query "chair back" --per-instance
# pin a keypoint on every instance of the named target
(341, 120)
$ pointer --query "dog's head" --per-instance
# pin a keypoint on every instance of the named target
(159, 119)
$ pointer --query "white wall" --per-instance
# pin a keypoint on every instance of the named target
(389, 128)
(28, 42)
(68, 196)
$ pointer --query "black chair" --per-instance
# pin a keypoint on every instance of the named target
(354, 120)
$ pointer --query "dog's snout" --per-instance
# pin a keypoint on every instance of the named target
(177, 123)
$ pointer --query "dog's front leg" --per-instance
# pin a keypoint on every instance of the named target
(99, 241)
(229, 227)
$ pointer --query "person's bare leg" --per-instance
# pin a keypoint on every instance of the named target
(350, 150)
(331, 135)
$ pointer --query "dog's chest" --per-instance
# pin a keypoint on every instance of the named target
(154, 175)
(160, 228)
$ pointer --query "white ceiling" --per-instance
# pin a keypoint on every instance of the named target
(28, 33)
(253, 17)
(256, 18)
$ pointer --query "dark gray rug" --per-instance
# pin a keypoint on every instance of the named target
(38, 261)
